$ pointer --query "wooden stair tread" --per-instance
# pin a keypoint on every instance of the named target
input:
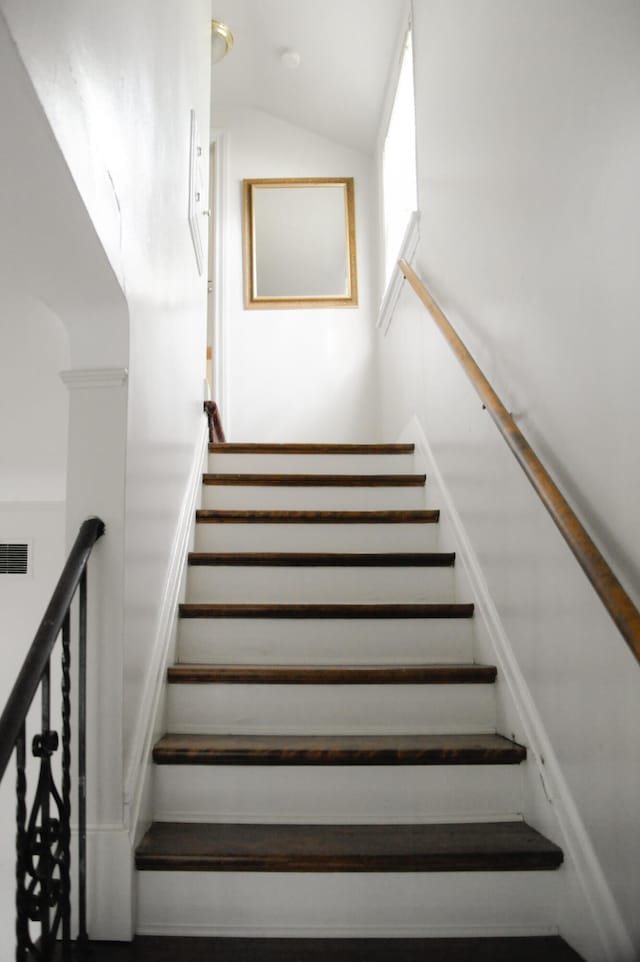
(296, 448)
(230, 516)
(317, 480)
(315, 559)
(476, 846)
(446, 610)
(156, 948)
(449, 674)
(457, 749)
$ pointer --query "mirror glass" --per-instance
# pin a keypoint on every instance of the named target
(299, 243)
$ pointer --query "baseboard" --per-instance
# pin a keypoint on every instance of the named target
(608, 927)
(350, 931)
(137, 770)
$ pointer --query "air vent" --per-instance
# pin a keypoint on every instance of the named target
(14, 559)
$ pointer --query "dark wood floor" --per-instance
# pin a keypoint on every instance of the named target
(155, 949)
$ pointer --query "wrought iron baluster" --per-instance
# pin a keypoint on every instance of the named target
(65, 833)
(83, 936)
(42, 851)
(22, 914)
(44, 859)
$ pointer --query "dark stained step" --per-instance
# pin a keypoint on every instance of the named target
(207, 516)
(156, 948)
(337, 750)
(318, 480)
(463, 847)
(449, 674)
(451, 610)
(241, 448)
(311, 559)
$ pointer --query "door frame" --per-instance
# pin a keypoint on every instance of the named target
(217, 301)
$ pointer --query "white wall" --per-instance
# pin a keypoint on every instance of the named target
(528, 148)
(117, 82)
(295, 375)
(34, 347)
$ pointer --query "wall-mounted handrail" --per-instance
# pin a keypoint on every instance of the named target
(43, 857)
(615, 599)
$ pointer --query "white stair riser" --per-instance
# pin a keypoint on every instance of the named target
(231, 584)
(445, 904)
(311, 463)
(330, 709)
(250, 497)
(337, 794)
(316, 537)
(325, 642)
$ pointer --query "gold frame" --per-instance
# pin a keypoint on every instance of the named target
(254, 302)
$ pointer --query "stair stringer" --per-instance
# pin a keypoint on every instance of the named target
(587, 914)
(138, 801)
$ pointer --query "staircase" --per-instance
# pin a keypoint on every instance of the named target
(332, 767)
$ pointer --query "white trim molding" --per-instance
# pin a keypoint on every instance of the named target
(94, 377)
(407, 252)
(150, 703)
(221, 308)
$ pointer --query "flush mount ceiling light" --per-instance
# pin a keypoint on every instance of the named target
(221, 40)
(290, 59)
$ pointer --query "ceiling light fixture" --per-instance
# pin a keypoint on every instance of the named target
(221, 40)
(290, 59)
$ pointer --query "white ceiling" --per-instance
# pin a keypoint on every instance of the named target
(346, 49)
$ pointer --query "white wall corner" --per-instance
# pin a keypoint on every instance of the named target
(394, 287)
(608, 937)
(148, 718)
(94, 377)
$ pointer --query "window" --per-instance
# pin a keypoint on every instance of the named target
(399, 173)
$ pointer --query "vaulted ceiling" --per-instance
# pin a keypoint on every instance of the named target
(346, 49)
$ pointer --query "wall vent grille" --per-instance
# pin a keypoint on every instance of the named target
(14, 559)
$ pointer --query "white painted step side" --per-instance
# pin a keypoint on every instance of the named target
(437, 904)
(330, 709)
(257, 497)
(337, 794)
(282, 641)
(316, 537)
(299, 585)
(311, 463)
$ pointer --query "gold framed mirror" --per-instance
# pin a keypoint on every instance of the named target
(299, 243)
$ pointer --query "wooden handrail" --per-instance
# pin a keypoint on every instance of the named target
(615, 599)
(216, 431)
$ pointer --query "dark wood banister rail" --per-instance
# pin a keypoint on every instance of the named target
(216, 431)
(615, 599)
(28, 680)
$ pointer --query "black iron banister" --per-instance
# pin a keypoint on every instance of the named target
(34, 665)
(43, 879)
